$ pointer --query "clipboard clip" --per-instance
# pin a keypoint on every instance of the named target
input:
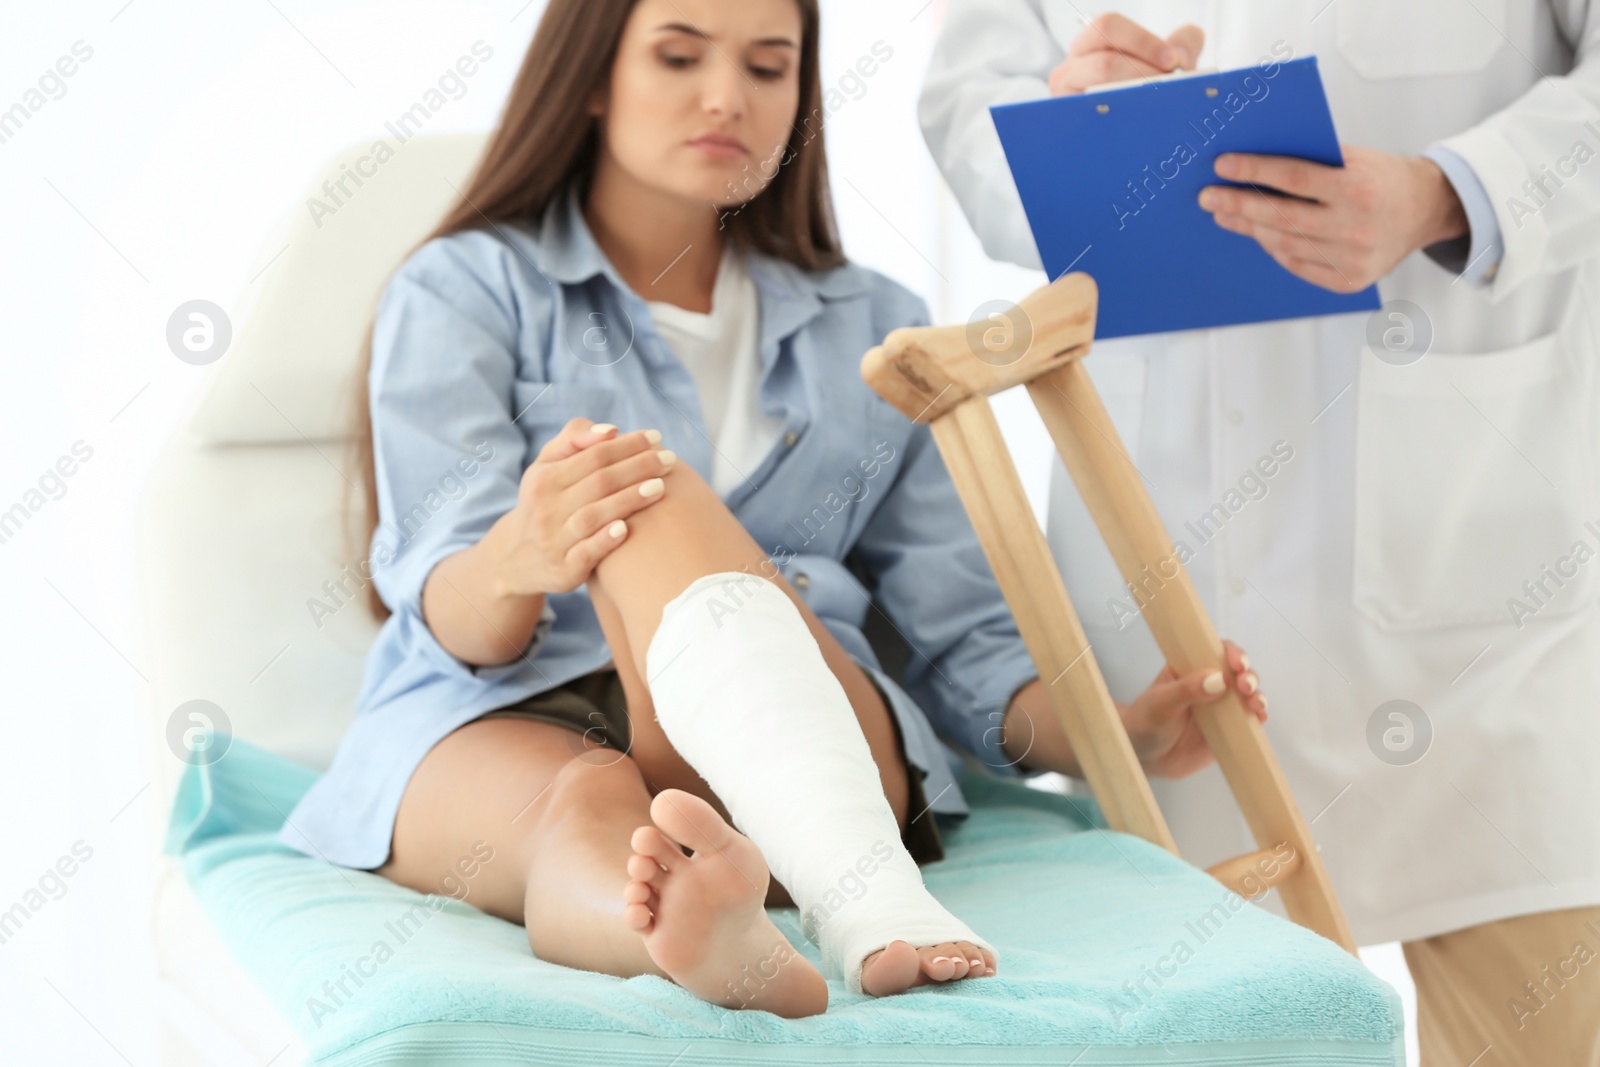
(1169, 76)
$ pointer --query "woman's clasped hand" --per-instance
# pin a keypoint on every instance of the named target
(574, 502)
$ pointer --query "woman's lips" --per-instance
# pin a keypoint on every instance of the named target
(719, 146)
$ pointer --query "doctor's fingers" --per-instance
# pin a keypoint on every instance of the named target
(1331, 269)
(1112, 32)
(1301, 177)
(1077, 73)
(1330, 278)
(1339, 265)
(1191, 39)
(1313, 220)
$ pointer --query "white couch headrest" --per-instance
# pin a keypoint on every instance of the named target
(287, 376)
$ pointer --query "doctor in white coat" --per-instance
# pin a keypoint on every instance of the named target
(1397, 515)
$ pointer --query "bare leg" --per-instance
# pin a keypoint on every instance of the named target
(502, 814)
(554, 829)
(685, 536)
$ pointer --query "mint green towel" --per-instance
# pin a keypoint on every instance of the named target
(1112, 952)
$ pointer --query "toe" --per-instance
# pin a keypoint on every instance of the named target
(638, 917)
(649, 841)
(643, 868)
(943, 962)
(975, 962)
(690, 821)
(637, 892)
(890, 970)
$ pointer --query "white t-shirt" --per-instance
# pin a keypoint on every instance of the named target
(718, 348)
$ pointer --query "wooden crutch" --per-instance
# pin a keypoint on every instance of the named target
(943, 376)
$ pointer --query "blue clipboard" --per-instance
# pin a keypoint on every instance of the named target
(1111, 182)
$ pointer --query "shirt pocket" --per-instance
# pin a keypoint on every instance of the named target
(1087, 569)
(541, 409)
(1420, 38)
(1473, 477)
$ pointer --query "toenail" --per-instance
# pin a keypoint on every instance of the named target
(976, 963)
(936, 959)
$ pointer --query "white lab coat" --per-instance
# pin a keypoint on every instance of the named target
(1377, 561)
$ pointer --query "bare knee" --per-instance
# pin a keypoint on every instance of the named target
(589, 791)
(592, 805)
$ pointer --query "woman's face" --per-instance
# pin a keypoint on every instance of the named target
(703, 96)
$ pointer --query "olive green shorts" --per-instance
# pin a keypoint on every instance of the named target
(594, 705)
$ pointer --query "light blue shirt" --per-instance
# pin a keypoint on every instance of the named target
(1475, 257)
(486, 342)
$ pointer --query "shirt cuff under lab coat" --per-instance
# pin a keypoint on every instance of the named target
(1476, 256)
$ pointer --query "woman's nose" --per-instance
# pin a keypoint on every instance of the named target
(724, 90)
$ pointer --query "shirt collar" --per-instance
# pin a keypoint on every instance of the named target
(790, 296)
(568, 252)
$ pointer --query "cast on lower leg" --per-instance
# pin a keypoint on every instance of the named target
(743, 693)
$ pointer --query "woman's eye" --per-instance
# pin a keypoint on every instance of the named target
(768, 73)
(677, 62)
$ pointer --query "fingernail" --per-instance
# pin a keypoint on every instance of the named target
(653, 436)
(1250, 683)
(1244, 661)
(653, 487)
(600, 429)
(617, 529)
(1214, 683)
(668, 457)
(1169, 57)
(1263, 703)
(1208, 199)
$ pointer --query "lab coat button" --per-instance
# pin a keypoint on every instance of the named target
(790, 438)
(802, 580)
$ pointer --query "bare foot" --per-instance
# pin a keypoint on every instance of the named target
(702, 916)
(900, 966)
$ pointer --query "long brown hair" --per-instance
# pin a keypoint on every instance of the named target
(547, 136)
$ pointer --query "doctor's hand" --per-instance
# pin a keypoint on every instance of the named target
(1161, 723)
(1361, 220)
(1113, 48)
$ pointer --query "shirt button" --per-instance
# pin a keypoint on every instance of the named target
(802, 580)
(1238, 587)
(1236, 417)
(790, 438)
